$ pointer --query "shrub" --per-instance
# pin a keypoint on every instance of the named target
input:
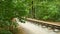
(5, 32)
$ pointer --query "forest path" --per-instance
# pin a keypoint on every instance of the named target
(31, 28)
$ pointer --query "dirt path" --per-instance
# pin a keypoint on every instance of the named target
(31, 28)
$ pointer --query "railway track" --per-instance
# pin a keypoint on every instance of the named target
(52, 25)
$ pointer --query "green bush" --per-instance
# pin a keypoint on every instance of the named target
(5, 32)
(10, 9)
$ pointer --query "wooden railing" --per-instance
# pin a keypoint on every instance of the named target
(53, 25)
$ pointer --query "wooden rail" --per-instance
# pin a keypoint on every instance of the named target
(48, 24)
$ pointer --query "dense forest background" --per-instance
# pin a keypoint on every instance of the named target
(48, 10)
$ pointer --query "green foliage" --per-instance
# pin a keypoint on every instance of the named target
(5, 32)
(10, 9)
(47, 9)
(13, 8)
